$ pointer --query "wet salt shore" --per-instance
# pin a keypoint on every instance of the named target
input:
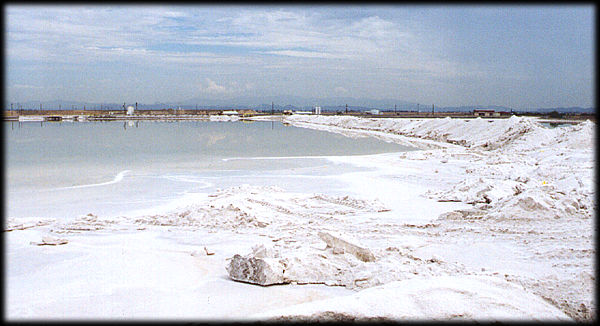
(495, 217)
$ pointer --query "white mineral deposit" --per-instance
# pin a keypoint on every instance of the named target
(492, 219)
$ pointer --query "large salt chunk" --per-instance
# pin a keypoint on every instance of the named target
(262, 271)
(341, 243)
(50, 241)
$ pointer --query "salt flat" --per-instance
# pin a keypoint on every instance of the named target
(492, 220)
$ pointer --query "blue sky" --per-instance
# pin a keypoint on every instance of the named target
(517, 56)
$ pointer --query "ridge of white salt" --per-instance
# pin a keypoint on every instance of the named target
(527, 183)
(509, 139)
(260, 207)
(477, 133)
(466, 297)
(213, 117)
(24, 223)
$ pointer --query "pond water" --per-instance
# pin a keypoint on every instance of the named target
(555, 125)
(63, 170)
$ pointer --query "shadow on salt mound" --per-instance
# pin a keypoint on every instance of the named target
(482, 298)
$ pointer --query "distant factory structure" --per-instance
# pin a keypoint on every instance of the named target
(490, 113)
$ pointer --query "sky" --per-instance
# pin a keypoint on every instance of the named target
(516, 56)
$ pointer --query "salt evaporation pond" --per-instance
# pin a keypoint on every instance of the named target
(63, 170)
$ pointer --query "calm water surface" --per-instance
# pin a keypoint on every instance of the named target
(66, 169)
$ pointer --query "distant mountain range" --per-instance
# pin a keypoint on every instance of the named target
(302, 102)
(573, 109)
(281, 103)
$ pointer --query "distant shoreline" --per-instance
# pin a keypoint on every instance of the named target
(103, 115)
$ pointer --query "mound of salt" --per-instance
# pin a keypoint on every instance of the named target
(465, 297)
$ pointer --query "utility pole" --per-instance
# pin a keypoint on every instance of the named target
(432, 110)
(272, 108)
(346, 108)
(394, 108)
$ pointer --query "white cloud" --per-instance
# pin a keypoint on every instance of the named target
(245, 41)
(23, 86)
(174, 14)
(81, 34)
(225, 89)
(213, 88)
(340, 90)
(276, 50)
(303, 54)
(286, 31)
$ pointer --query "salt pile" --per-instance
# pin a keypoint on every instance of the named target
(213, 117)
(528, 185)
(432, 298)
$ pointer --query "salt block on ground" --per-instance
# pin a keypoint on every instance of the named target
(49, 241)
(340, 243)
(22, 226)
(261, 271)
